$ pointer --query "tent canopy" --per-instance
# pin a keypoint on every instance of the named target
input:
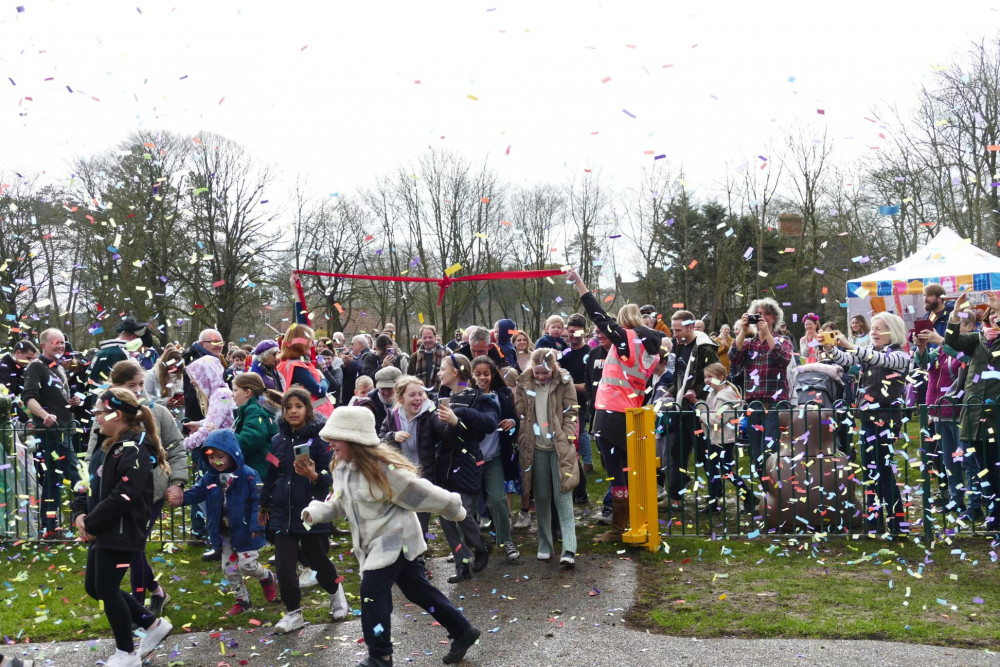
(948, 259)
(954, 263)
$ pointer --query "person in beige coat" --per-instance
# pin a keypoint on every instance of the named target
(545, 403)
(720, 418)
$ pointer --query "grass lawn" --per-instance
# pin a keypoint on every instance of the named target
(839, 588)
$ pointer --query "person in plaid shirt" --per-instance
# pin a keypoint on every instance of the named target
(762, 361)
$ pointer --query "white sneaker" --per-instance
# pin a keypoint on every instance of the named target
(339, 608)
(123, 659)
(523, 521)
(544, 556)
(154, 636)
(290, 622)
(661, 493)
(307, 578)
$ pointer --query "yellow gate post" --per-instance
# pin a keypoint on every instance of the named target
(643, 514)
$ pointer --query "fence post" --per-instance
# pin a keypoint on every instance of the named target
(643, 513)
(925, 464)
(6, 427)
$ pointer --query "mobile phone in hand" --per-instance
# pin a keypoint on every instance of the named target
(301, 450)
(444, 401)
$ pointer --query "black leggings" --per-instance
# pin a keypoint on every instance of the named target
(288, 548)
(102, 581)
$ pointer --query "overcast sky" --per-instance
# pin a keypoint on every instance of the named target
(345, 91)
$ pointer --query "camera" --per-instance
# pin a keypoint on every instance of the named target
(753, 318)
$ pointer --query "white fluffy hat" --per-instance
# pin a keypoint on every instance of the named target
(353, 424)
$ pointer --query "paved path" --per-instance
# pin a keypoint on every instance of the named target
(531, 615)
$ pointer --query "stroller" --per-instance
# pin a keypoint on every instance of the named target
(814, 386)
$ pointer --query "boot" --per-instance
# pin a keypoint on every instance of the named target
(619, 521)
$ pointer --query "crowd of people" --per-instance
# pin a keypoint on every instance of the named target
(289, 435)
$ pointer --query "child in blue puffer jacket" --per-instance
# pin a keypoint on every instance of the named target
(229, 491)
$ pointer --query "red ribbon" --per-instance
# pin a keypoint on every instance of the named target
(443, 282)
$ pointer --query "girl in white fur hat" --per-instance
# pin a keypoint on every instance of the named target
(379, 491)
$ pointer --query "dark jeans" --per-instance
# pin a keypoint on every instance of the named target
(102, 581)
(58, 462)
(140, 573)
(609, 429)
(313, 551)
(376, 609)
(768, 438)
(883, 504)
(682, 439)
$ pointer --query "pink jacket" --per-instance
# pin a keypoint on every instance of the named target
(206, 374)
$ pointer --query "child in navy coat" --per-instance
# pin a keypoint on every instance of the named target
(229, 491)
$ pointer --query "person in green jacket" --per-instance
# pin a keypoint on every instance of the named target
(254, 426)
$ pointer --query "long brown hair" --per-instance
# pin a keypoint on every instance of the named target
(373, 461)
(162, 373)
(250, 382)
(135, 417)
(124, 372)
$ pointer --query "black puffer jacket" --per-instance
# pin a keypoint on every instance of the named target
(119, 495)
(459, 459)
(286, 493)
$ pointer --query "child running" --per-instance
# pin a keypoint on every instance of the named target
(229, 491)
(377, 488)
(111, 514)
(298, 473)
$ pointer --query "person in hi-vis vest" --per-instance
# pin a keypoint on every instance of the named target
(633, 355)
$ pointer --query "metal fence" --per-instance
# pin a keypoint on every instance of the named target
(832, 470)
(23, 466)
(826, 473)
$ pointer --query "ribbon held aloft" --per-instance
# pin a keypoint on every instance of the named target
(443, 283)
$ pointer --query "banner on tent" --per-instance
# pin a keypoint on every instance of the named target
(861, 289)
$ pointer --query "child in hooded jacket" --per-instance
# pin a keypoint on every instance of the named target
(378, 490)
(229, 491)
(292, 482)
(207, 375)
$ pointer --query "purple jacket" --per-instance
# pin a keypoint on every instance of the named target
(942, 369)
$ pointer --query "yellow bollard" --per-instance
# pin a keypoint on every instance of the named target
(643, 514)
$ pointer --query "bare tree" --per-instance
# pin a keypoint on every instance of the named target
(231, 218)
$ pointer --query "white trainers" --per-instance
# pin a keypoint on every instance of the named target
(339, 608)
(290, 622)
(544, 556)
(523, 521)
(154, 635)
(123, 659)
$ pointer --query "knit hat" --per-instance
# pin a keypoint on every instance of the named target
(385, 378)
(264, 345)
(352, 424)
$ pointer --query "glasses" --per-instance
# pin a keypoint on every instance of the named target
(97, 413)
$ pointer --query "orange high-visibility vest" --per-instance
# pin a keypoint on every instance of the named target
(623, 383)
(286, 368)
